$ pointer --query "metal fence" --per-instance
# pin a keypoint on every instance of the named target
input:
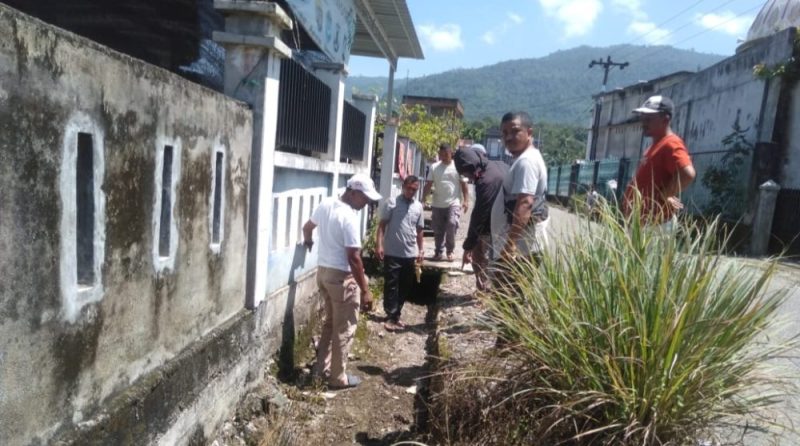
(304, 110)
(354, 127)
(610, 177)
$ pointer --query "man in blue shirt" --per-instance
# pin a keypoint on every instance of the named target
(399, 246)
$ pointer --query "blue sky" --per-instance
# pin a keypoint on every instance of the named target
(474, 33)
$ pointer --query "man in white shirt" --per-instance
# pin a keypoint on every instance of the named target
(340, 275)
(450, 196)
(522, 204)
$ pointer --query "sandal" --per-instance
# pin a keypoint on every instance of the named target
(393, 325)
(437, 258)
(450, 257)
(352, 381)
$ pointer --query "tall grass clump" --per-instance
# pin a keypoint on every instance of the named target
(622, 334)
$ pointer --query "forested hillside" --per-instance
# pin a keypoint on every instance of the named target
(556, 88)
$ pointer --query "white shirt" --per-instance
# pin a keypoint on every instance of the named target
(528, 175)
(446, 185)
(337, 223)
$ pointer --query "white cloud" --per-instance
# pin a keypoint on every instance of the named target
(649, 32)
(516, 18)
(726, 22)
(490, 37)
(632, 7)
(445, 37)
(577, 16)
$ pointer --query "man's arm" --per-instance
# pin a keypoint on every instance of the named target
(522, 215)
(427, 189)
(420, 239)
(308, 229)
(357, 268)
(680, 181)
(464, 195)
(379, 239)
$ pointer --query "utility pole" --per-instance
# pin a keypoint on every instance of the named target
(607, 65)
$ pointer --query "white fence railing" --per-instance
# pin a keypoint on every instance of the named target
(291, 209)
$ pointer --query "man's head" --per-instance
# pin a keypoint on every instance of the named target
(471, 161)
(445, 153)
(410, 187)
(655, 115)
(360, 191)
(517, 130)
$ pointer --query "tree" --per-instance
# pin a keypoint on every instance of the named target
(427, 130)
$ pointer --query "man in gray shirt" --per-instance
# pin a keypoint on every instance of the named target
(399, 245)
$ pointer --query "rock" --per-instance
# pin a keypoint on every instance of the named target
(252, 406)
(279, 401)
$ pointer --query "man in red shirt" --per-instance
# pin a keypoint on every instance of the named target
(665, 169)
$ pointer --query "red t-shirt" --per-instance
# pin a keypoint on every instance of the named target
(657, 168)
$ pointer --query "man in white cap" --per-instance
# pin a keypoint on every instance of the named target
(340, 275)
(665, 169)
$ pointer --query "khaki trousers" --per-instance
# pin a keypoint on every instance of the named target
(340, 298)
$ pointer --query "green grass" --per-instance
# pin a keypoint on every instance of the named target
(623, 335)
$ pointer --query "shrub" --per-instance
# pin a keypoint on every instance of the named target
(621, 335)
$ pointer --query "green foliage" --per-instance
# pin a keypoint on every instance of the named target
(725, 181)
(623, 335)
(476, 130)
(556, 88)
(561, 144)
(427, 130)
(788, 70)
(373, 267)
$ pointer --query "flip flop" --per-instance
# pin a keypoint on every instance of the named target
(393, 325)
(352, 381)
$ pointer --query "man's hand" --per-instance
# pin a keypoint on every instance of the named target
(674, 203)
(466, 259)
(379, 253)
(465, 207)
(366, 301)
(420, 257)
(508, 253)
(308, 244)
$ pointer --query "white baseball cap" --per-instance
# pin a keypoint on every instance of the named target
(656, 104)
(364, 183)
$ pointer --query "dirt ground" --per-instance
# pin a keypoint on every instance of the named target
(389, 406)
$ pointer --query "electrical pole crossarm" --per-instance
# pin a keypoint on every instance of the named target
(607, 65)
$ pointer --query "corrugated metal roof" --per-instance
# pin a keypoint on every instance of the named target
(384, 29)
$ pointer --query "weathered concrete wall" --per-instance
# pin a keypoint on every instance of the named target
(620, 134)
(64, 357)
(709, 102)
(790, 178)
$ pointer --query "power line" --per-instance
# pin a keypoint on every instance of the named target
(685, 25)
(695, 35)
(678, 14)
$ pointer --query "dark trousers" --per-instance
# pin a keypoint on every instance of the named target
(398, 272)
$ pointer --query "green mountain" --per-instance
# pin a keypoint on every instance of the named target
(556, 88)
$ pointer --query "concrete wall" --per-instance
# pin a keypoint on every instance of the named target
(69, 349)
(790, 177)
(619, 133)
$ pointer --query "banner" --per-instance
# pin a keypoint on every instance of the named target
(330, 23)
